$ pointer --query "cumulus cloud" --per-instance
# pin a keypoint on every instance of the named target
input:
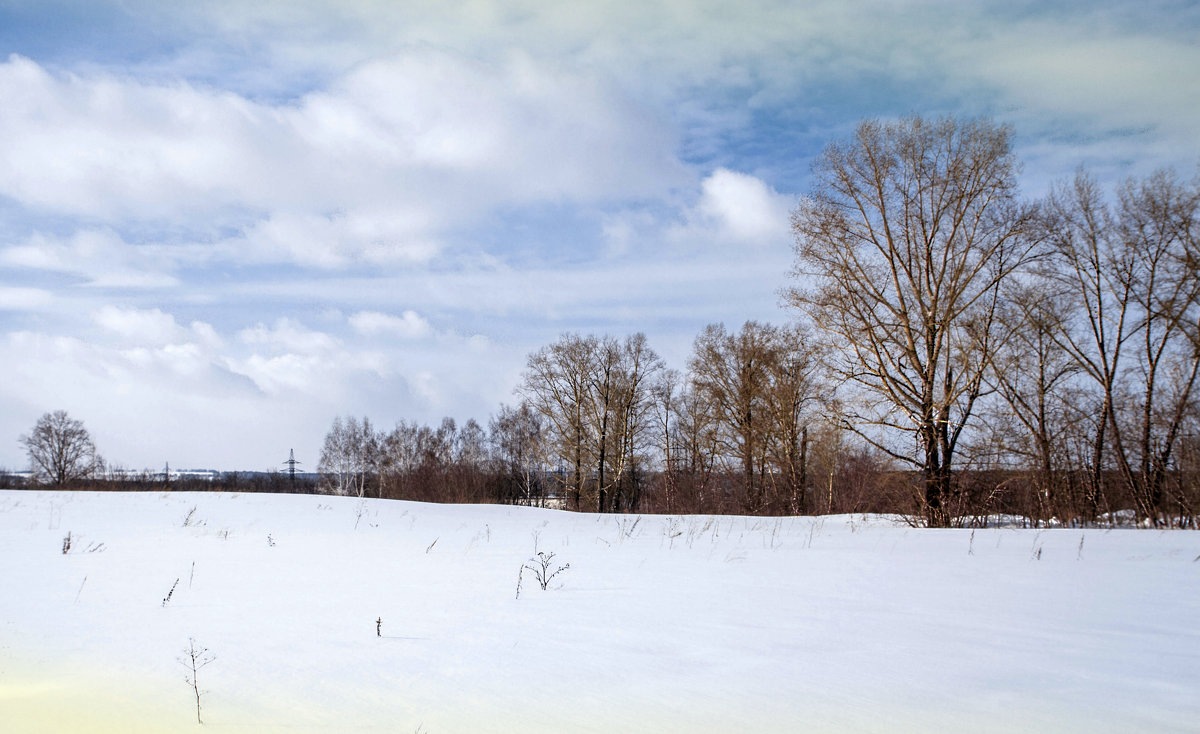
(153, 326)
(370, 168)
(288, 335)
(408, 325)
(743, 207)
(142, 325)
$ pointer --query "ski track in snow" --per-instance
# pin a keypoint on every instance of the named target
(680, 624)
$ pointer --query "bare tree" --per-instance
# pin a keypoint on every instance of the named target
(697, 447)
(601, 408)
(60, 450)
(637, 367)
(666, 395)
(732, 372)
(594, 395)
(902, 245)
(1135, 275)
(1159, 221)
(517, 435)
(795, 387)
(556, 384)
(1088, 262)
(1033, 376)
(350, 456)
(758, 386)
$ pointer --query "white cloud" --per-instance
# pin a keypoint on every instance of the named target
(151, 326)
(408, 325)
(24, 299)
(144, 405)
(371, 168)
(288, 335)
(297, 373)
(331, 241)
(744, 208)
(99, 256)
(154, 327)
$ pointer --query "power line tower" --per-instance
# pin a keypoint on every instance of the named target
(291, 465)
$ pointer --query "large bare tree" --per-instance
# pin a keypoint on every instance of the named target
(902, 244)
(60, 450)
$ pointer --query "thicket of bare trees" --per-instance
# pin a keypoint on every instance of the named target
(1117, 296)
(603, 426)
(411, 461)
(1051, 351)
(753, 395)
(594, 395)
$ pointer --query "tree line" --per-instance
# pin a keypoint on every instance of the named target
(602, 424)
(988, 342)
(958, 352)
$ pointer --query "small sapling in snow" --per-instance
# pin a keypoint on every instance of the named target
(194, 658)
(379, 627)
(67, 544)
(539, 566)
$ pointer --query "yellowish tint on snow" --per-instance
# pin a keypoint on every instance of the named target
(48, 703)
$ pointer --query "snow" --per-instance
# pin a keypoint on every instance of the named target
(689, 624)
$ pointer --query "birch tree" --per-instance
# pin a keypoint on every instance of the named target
(350, 456)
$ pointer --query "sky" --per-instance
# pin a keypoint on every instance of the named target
(222, 224)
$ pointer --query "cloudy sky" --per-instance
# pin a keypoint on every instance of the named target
(224, 223)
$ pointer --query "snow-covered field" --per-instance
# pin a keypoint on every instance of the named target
(661, 624)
